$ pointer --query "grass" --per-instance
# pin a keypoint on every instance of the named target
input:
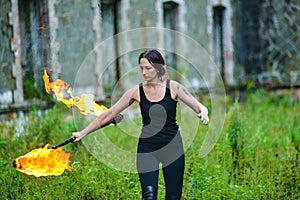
(256, 157)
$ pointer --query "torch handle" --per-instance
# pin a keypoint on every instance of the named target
(64, 143)
(113, 121)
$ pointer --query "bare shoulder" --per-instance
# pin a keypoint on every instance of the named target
(129, 97)
(179, 89)
(133, 93)
(134, 88)
(174, 87)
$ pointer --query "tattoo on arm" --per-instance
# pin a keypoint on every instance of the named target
(184, 90)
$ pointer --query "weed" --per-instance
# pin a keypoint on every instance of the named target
(256, 157)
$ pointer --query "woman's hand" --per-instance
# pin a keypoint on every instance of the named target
(204, 117)
(78, 136)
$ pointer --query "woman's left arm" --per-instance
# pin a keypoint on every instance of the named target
(185, 96)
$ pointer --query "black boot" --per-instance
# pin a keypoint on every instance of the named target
(149, 193)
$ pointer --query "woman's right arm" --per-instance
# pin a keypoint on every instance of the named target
(126, 100)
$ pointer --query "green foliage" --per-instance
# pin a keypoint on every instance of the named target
(236, 139)
(29, 90)
(35, 90)
(256, 157)
(108, 88)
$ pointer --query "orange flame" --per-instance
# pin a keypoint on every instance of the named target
(43, 162)
(85, 102)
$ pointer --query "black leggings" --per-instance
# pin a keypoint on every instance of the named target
(171, 156)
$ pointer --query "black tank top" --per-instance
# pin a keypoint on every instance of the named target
(159, 118)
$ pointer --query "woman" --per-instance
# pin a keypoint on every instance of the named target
(160, 140)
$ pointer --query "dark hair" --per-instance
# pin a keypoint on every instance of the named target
(155, 59)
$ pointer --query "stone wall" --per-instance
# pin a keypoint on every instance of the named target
(7, 81)
(75, 36)
(280, 36)
(261, 39)
(267, 42)
(247, 43)
(11, 87)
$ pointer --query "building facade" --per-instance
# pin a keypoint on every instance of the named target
(93, 44)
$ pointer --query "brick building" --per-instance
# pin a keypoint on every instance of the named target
(248, 40)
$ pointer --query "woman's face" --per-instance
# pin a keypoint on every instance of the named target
(147, 70)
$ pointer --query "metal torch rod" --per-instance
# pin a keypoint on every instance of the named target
(113, 121)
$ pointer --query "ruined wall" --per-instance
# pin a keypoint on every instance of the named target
(195, 27)
(189, 18)
(7, 81)
(247, 43)
(196, 21)
(11, 55)
(141, 13)
(280, 36)
(267, 41)
(265, 37)
(75, 36)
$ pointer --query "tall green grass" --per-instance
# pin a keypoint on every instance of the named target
(256, 157)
